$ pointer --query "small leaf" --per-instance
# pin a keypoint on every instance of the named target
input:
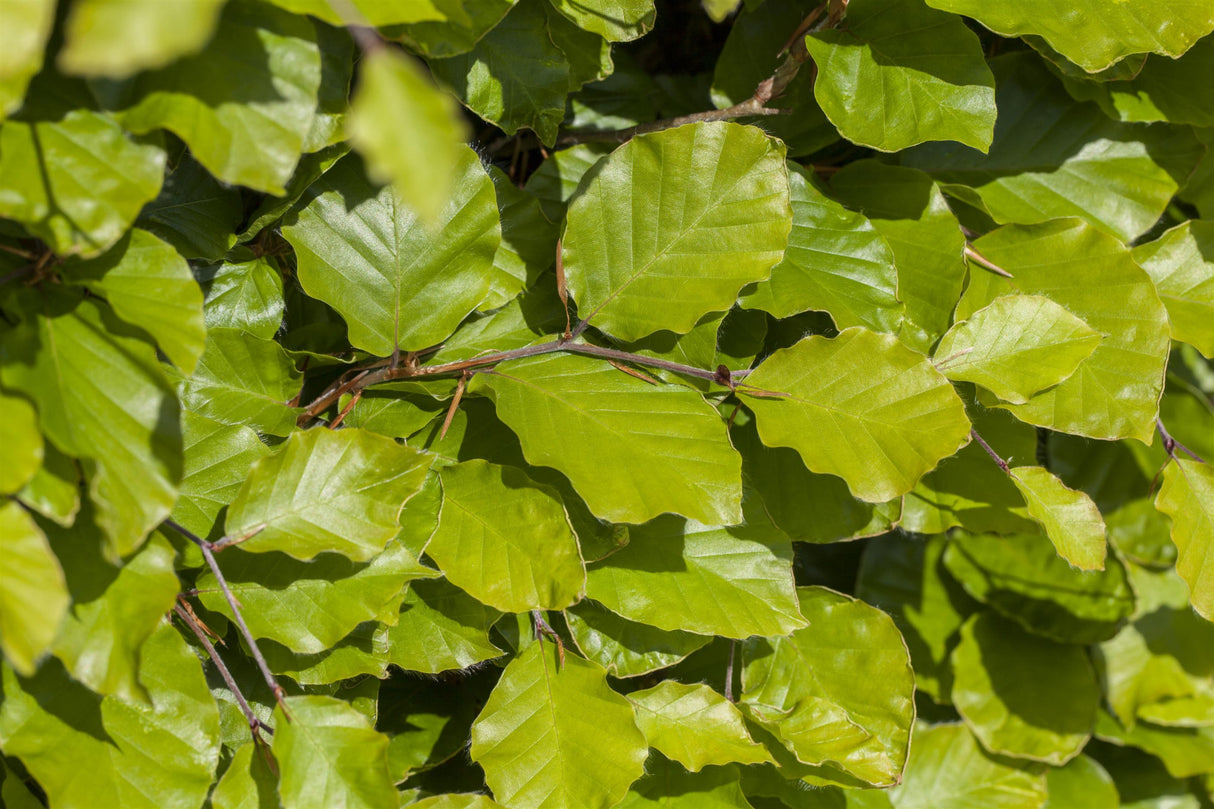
(1070, 518)
(326, 490)
(861, 406)
(243, 295)
(557, 737)
(1021, 695)
(1081, 782)
(1017, 346)
(1187, 496)
(194, 212)
(248, 783)
(506, 540)
(33, 593)
(22, 442)
(614, 20)
(216, 460)
(1185, 752)
(441, 628)
(115, 40)
(673, 224)
(695, 726)
(409, 132)
(1181, 263)
(626, 648)
(329, 755)
(632, 450)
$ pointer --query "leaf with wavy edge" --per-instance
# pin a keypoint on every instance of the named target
(557, 737)
(614, 20)
(1069, 517)
(33, 593)
(327, 490)
(243, 295)
(695, 726)
(626, 648)
(632, 450)
(861, 406)
(114, 40)
(671, 225)
(1181, 263)
(24, 448)
(1016, 346)
(441, 628)
(1187, 496)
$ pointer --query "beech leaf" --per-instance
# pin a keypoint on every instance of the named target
(1070, 518)
(1187, 496)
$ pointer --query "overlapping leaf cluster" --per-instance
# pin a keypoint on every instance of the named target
(848, 438)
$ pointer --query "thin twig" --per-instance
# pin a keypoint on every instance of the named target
(255, 724)
(729, 671)
(1171, 444)
(751, 107)
(984, 262)
(455, 400)
(1002, 463)
(542, 629)
(237, 616)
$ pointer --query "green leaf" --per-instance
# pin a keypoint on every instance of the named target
(247, 119)
(626, 648)
(506, 540)
(54, 490)
(1181, 263)
(329, 755)
(23, 445)
(796, 684)
(880, 429)
(1187, 496)
(1017, 346)
(396, 281)
(77, 182)
(135, 755)
(951, 771)
(33, 594)
(906, 578)
(556, 736)
(673, 224)
(667, 784)
(681, 575)
(361, 653)
(632, 450)
(408, 131)
(902, 73)
(244, 295)
(558, 179)
(528, 242)
(1098, 33)
(115, 40)
(614, 20)
(217, 458)
(375, 12)
(327, 490)
(695, 726)
(1023, 696)
(1081, 784)
(27, 25)
(1022, 577)
(194, 212)
(101, 397)
(1070, 518)
(458, 33)
(441, 628)
(1114, 393)
(1185, 752)
(515, 76)
(908, 210)
(248, 783)
(836, 262)
(457, 801)
(310, 606)
(1052, 157)
(242, 379)
(150, 287)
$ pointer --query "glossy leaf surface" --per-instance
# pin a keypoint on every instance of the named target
(33, 593)
(1070, 518)
(1181, 263)
(695, 726)
(1186, 496)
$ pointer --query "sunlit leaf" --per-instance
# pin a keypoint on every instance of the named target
(33, 593)
(627, 648)
(243, 295)
(22, 441)
(1187, 496)
(441, 628)
(1081, 782)
(1070, 518)
(117, 39)
(1181, 263)
(695, 726)
(667, 784)
(614, 20)
(248, 783)
(27, 25)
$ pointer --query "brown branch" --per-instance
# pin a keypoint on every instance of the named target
(1171, 444)
(994, 455)
(187, 617)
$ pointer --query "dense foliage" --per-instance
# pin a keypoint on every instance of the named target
(765, 405)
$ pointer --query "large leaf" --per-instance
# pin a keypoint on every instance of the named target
(326, 490)
(673, 224)
(395, 280)
(861, 406)
(1070, 518)
(695, 726)
(441, 628)
(1114, 393)
(632, 450)
(27, 25)
(89, 751)
(902, 73)
(951, 771)
(681, 575)
(804, 687)
(408, 131)
(1097, 33)
(1187, 496)
(77, 182)
(1181, 263)
(1052, 157)
(626, 648)
(909, 211)
(117, 39)
(243, 105)
(555, 736)
(1023, 696)
(33, 593)
(836, 262)
(1017, 346)
(329, 755)
(149, 286)
(101, 396)
(506, 540)
(216, 460)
